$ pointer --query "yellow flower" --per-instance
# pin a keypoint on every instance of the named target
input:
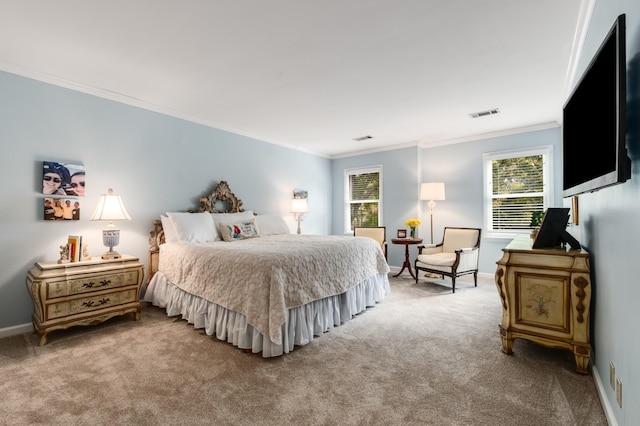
(412, 223)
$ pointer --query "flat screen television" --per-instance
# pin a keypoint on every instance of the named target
(553, 230)
(593, 127)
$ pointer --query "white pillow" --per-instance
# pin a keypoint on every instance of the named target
(169, 230)
(238, 230)
(271, 224)
(230, 218)
(193, 227)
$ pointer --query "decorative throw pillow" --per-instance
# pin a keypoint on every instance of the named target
(193, 227)
(219, 218)
(271, 224)
(239, 230)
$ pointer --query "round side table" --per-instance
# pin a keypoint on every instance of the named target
(407, 259)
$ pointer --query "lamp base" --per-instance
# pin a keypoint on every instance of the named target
(111, 255)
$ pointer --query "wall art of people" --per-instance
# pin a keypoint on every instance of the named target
(61, 209)
(63, 179)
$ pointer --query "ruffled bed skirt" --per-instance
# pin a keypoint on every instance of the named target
(300, 327)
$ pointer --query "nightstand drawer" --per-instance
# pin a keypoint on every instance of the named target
(89, 304)
(90, 283)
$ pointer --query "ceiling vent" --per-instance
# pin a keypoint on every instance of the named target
(363, 138)
(484, 113)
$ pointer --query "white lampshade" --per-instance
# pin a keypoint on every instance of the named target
(110, 207)
(299, 205)
(432, 191)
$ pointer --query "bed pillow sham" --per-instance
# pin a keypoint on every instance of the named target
(238, 230)
(193, 227)
(169, 229)
(271, 224)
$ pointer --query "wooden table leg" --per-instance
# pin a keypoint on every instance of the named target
(407, 263)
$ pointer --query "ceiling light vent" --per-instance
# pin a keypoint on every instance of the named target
(484, 113)
(363, 138)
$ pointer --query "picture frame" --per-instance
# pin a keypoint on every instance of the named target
(60, 209)
(63, 179)
(300, 194)
(402, 233)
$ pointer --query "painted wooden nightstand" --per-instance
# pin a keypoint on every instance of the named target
(546, 298)
(83, 293)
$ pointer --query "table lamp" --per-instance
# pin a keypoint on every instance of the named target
(299, 206)
(110, 208)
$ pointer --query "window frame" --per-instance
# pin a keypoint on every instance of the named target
(547, 181)
(347, 201)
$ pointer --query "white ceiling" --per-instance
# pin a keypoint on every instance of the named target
(310, 74)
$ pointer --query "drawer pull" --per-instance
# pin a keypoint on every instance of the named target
(91, 284)
(93, 303)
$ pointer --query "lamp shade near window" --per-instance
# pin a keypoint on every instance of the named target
(432, 191)
(110, 207)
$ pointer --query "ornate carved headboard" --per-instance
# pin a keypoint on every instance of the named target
(221, 200)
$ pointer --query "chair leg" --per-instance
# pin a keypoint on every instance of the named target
(453, 283)
(475, 279)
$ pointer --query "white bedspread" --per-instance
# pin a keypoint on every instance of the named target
(263, 277)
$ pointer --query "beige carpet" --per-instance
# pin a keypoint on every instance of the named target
(424, 356)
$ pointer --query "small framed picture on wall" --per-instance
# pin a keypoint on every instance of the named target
(61, 208)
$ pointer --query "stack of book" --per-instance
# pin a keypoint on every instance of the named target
(75, 248)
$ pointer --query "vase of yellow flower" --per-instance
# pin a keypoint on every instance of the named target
(412, 224)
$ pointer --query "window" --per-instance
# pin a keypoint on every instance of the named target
(363, 197)
(517, 183)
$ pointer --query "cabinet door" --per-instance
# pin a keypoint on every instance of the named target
(542, 300)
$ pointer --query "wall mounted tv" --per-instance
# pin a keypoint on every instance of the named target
(593, 128)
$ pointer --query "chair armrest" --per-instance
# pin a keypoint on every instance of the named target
(467, 259)
(466, 249)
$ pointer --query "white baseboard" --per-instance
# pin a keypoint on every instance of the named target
(15, 330)
(608, 410)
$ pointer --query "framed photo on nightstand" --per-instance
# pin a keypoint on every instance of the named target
(402, 233)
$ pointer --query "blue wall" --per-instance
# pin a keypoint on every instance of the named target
(610, 231)
(155, 162)
(399, 191)
(459, 166)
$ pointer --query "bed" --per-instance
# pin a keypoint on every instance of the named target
(246, 279)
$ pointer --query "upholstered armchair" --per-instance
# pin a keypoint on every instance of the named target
(455, 256)
(378, 233)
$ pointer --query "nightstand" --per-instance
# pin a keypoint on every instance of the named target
(83, 293)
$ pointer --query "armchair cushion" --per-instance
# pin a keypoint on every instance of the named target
(437, 259)
(457, 238)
